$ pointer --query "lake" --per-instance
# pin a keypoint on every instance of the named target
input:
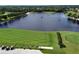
(45, 21)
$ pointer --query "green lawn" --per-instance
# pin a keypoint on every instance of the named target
(24, 38)
(71, 40)
(27, 38)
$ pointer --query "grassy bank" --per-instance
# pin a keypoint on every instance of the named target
(72, 13)
(71, 40)
(22, 38)
(10, 16)
(33, 39)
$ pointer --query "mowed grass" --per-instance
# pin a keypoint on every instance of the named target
(27, 38)
(24, 38)
(71, 40)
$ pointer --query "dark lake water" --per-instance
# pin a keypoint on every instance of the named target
(46, 21)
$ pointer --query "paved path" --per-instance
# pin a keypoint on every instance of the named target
(20, 51)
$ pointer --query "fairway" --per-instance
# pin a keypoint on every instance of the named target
(70, 39)
(32, 39)
(25, 38)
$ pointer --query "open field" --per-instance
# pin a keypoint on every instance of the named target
(71, 40)
(24, 38)
(31, 39)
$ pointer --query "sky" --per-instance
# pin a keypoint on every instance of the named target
(39, 2)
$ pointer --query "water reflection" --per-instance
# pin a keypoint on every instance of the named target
(44, 22)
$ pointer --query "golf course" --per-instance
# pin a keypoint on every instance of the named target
(48, 29)
(21, 38)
